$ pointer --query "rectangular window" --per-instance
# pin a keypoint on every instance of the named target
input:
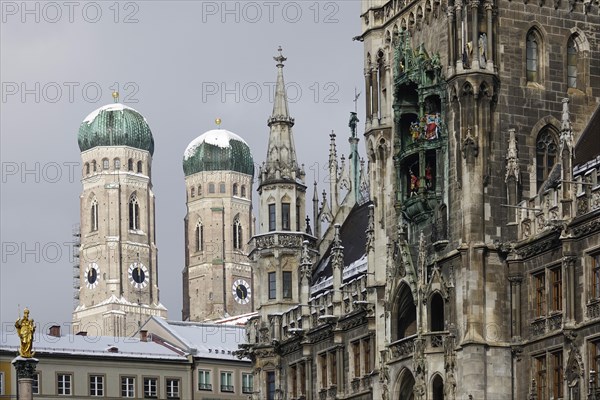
(557, 375)
(272, 285)
(356, 358)
(247, 383)
(272, 219)
(35, 386)
(221, 188)
(367, 355)
(96, 385)
(105, 164)
(323, 369)
(595, 359)
(271, 385)
(287, 285)
(595, 277)
(204, 382)
(127, 386)
(227, 382)
(172, 388)
(333, 367)
(294, 380)
(285, 216)
(540, 371)
(302, 367)
(556, 277)
(150, 388)
(63, 384)
(298, 218)
(539, 283)
(1, 383)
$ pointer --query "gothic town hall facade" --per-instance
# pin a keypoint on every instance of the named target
(461, 259)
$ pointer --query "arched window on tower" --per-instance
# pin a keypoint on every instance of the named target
(134, 213)
(94, 169)
(130, 165)
(237, 233)
(211, 187)
(436, 312)
(105, 163)
(193, 192)
(533, 45)
(546, 152)
(235, 189)
(199, 190)
(87, 168)
(117, 163)
(571, 63)
(94, 215)
(243, 191)
(139, 167)
(199, 240)
(437, 388)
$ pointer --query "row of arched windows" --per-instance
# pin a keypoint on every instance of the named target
(236, 190)
(237, 235)
(133, 214)
(405, 314)
(93, 167)
(574, 62)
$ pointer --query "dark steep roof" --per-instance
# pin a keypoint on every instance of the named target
(588, 145)
(354, 239)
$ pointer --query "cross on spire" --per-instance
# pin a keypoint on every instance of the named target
(280, 58)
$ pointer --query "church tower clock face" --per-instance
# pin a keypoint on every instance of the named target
(241, 291)
(138, 275)
(92, 272)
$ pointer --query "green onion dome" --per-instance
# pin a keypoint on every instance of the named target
(115, 125)
(218, 150)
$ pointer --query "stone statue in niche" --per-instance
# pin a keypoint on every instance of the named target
(482, 50)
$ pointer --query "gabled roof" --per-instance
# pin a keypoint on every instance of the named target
(354, 239)
(92, 346)
(588, 145)
(212, 341)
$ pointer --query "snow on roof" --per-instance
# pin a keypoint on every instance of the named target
(236, 320)
(217, 341)
(109, 107)
(92, 346)
(216, 137)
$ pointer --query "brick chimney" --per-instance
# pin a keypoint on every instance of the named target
(144, 335)
(54, 331)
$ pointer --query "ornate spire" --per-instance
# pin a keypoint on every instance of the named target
(280, 105)
(512, 158)
(281, 154)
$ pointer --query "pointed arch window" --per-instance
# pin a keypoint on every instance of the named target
(571, 63)
(546, 153)
(94, 215)
(130, 165)
(533, 56)
(139, 167)
(243, 191)
(436, 308)
(87, 168)
(134, 213)
(199, 239)
(437, 388)
(237, 233)
(235, 189)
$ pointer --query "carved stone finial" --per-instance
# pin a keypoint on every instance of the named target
(370, 229)
(566, 132)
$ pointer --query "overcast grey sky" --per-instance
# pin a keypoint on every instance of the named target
(181, 64)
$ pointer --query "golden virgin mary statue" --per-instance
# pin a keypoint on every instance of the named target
(25, 330)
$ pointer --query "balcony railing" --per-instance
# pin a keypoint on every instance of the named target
(204, 386)
(403, 347)
(247, 389)
(226, 388)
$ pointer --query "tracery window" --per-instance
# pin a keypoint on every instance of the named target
(134, 213)
(237, 233)
(546, 153)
